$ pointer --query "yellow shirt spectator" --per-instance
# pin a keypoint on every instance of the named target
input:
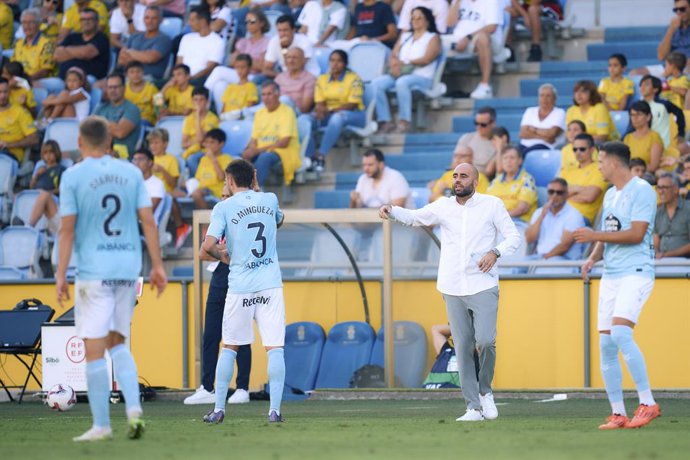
(597, 119)
(568, 160)
(446, 182)
(207, 177)
(36, 55)
(170, 164)
(238, 96)
(614, 91)
(585, 177)
(348, 89)
(143, 100)
(209, 122)
(71, 19)
(676, 82)
(52, 30)
(16, 123)
(24, 97)
(521, 188)
(6, 26)
(642, 147)
(179, 101)
(269, 127)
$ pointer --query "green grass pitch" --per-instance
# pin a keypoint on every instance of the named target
(418, 429)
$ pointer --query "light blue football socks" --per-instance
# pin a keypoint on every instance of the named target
(224, 370)
(612, 373)
(127, 378)
(276, 377)
(623, 338)
(98, 383)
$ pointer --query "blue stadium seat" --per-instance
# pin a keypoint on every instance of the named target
(96, 97)
(10, 274)
(184, 271)
(584, 69)
(368, 60)
(8, 177)
(630, 34)
(621, 118)
(39, 95)
(238, 133)
(65, 132)
(303, 345)
(416, 143)
(347, 348)
(631, 49)
(543, 165)
(409, 352)
(322, 56)
(23, 206)
(19, 248)
(413, 162)
(173, 125)
(332, 199)
(172, 27)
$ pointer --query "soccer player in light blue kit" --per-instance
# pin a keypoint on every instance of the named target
(249, 219)
(625, 244)
(102, 199)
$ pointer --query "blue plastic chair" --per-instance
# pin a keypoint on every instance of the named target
(368, 60)
(347, 348)
(96, 97)
(303, 346)
(172, 27)
(409, 352)
(238, 133)
(173, 125)
(543, 165)
(65, 132)
(332, 199)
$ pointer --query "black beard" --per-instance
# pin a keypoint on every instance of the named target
(467, 191)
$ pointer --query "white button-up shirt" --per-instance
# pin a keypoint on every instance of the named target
(468, 232)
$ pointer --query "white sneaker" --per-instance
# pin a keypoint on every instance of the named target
(96, 433)
(489, 410)
(482, 91)
(239, 397)
(472, 415)
(201, 396)
(502, 56)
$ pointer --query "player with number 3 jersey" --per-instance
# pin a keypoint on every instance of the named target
(249, 219)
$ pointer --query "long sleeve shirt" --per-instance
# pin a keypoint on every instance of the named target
(468, 232)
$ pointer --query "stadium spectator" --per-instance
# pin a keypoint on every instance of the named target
(586, 186)
(275, 139)
(500, 138)
(672, 224)
(568, 159)
(324, 21)
(676, 83)
(443, 186)
(480, 141)
(143, 159)
(72, 102)
(515, 186)
(190, 53)
(73, 21)
(374, 21)
(140, 92)
(296, 84)
(243, 94)
(177, 93)
(667, 119)
(254, 45)
(196, 125)
(46, 179)
(379, 185)
(126, 20)
(437, 8)
(532, 11)
(338, 96)
(411, 66)
(6, 26)
(588, 108)
(616, 88)
(685, 178)
(542, 126)
(20, 86)
(479, 29)
(170, 8)
(88, 49)
(286, 38)
(676, 38)
(17, 129)
(35, 50)
(274, 5)
(644, 142)
(221, 17)
(51, 17)
(123, 116)
(552, 225)
(210, 174)
(151, 47)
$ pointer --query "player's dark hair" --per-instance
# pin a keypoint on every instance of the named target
(637, 162)
(375, 153)
(183, 67)
(642, 107)
(286, 18)
(217, 134)
(585, 137)
(242, 172)
(145, 152)
(134, 65)
(618, 150)
(622, 60)
(200, 91)
(94, 132)
(559, 180)
(244, 57)
(490, 110)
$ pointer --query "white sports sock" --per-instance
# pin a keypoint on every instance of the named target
(618, 407)
(646, 397)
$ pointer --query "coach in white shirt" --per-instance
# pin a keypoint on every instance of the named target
(470, 224)
(202, 49)
(542, 126)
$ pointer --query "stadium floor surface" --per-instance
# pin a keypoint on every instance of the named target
(351, 430)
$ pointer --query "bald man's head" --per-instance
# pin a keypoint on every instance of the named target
(467, 168)
(465, 179)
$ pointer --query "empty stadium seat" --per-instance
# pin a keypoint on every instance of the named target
(621, 118)
(412, 162)
(8, 176)
(96, 97)
(303, 346)
(543, 165)
(430, 143)
(19, 248)
(368, 60)
(185, 271)
(39, 95)
(238, 133)
(65, 132)
(409, 352)
(332, 199)
(173, 125)
(10, 274)
(347, 349)
(632, 49)
(172, 27)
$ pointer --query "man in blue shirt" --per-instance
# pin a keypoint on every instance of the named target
(249, 221)
(625, 244)
(123, 117)
(152, 48)
(102, 201)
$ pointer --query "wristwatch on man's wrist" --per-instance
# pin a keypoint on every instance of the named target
(496, 252)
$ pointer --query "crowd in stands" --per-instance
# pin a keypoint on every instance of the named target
(150, 64)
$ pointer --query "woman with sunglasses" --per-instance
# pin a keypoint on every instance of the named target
(568, 160)
(589, 108)
(644, 142)
(515, 186)
(412, 64)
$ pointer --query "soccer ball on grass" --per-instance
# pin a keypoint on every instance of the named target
(61, 397)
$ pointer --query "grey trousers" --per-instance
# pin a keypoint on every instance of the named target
(473, 324)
